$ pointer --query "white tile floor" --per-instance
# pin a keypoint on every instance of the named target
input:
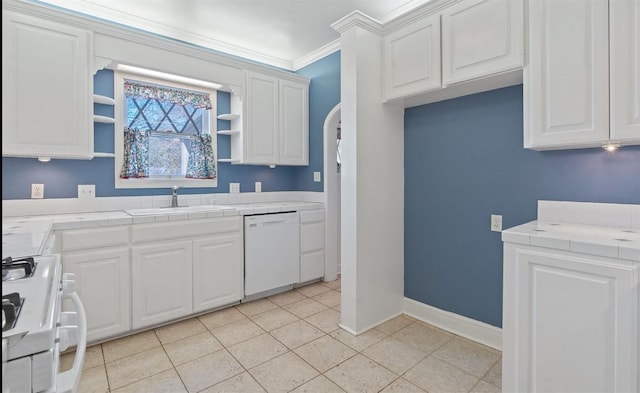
(290, 342)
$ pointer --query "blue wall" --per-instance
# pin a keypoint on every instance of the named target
(61, 177)
(464, 161)
(324, 93)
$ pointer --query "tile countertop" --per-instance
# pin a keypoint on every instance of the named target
(26, 236)
(612, 242)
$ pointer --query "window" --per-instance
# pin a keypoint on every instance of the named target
(165, 132)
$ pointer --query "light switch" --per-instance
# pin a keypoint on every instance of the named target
(316, 177)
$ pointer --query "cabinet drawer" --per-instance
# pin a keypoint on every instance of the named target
(84, 239)
(184, 229)
(311, 237)
(311, 216)
(311, 266)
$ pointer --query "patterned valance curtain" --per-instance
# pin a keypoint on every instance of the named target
(202, 163)
(136, 154)
(176, 96)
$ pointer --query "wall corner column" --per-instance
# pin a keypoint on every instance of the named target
(372, 181)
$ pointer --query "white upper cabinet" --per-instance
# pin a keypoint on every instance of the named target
(467, 46)
(46, 88)
(625, 71)
(294, 123)
(567, 78)
(412, 58)
(261, 134)
(480, 38)
(275, 122)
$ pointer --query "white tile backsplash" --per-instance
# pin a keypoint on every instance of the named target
(588, 213)
(635, 217)
(612, 215)
(38, 207)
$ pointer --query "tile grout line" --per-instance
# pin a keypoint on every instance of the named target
(384, 336)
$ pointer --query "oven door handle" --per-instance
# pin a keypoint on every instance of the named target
(67, 382)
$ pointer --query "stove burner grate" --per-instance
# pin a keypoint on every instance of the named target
(15, 269)
(11, 306)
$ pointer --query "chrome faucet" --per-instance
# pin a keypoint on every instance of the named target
(174, 196)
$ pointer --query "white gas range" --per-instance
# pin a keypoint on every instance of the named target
(35, 330)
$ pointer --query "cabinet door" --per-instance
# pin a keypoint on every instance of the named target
(412, 58)
(46, 88)
(574, 322)
(480, 38)
(625, 71)
(566, 80)
(294, 123)
(161, 278)
(218, 271)
(103, 284)
(261, 135)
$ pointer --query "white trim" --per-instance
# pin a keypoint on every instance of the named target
(189, 44)
(462, 326)
(316, 55)
(367, 328)
(332, 196)
(357, 18)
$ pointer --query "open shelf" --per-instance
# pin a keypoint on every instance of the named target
(228, 116)
(98, 99)
(228, 132)
(103, 119)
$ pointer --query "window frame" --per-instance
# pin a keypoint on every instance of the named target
(121, 121)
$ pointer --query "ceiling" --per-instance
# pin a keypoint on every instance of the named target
(282, 33)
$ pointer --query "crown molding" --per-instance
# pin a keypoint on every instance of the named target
(409, 15)
(112, 29)
(357, 19)
(317, 54)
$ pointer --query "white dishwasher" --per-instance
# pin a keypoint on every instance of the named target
(271, 252)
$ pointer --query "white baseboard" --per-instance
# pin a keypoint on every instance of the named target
(466, 327)
(367, 328)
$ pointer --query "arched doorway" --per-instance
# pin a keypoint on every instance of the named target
(332, 132)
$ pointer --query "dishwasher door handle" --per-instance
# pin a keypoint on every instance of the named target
(273, 222)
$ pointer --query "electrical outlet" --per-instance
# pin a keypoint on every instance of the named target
(258, 186)
(316, 177)
(496, 223)
(234, 188)
(86, 190)
(37, 191)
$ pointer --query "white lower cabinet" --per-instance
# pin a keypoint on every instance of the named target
(102, 282)
(570, 322)
(217, 271)
(161, 282)
(131, 277)
(183, 267)
(101, 261)
(311, 245)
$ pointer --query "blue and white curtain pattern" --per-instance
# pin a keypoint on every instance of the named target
(167, 94)
(201, 164)
(136, 154)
